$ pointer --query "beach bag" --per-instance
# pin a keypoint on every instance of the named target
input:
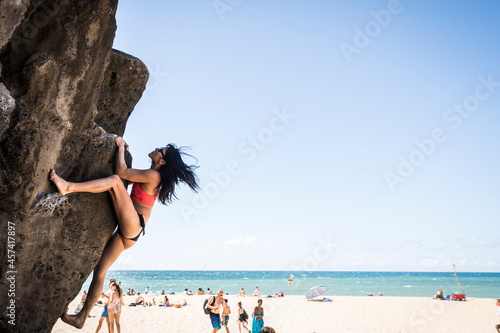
(244, 315)
(205, 309)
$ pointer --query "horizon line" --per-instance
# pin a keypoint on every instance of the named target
(290, 271)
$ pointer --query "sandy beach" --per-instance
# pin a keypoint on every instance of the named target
(295, 314)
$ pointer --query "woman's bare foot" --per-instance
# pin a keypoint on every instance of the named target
(61, 184)
(73, 320)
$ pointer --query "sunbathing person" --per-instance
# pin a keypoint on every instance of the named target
(139, 300)
(132, 211)
(165, 302)
(181, 304)
(439, 295)
(256, 292)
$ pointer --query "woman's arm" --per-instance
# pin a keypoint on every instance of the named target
(120, 165)
(130, 174)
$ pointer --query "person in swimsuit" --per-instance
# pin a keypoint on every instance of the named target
(258, 315)
(105, 313)
(139, 300)
(214, 304)
(132, 211)
(226, 311)
(166, 302)
(115, 307)
(439, 295)
(256, 292)
(82, 302)
(242, 317)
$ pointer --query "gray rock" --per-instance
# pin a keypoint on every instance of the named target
(64, 92)
(7, 105)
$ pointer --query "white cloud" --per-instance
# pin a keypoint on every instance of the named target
(492, 263)
(357, 263)
(234, 241)
(249, 240)
(430, 262)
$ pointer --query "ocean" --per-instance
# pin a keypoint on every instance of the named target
(414, 284)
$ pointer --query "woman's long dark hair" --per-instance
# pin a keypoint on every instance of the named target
(118, 289)
(173, 172)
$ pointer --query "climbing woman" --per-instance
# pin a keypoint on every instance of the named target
(132, 211)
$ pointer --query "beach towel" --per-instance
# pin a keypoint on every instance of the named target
(257, 325)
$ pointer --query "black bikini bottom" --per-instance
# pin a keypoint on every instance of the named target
(143, 226)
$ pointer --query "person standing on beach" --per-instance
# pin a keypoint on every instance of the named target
(82, 302)
(105, 314)
(258, 315)
(242, 317)
(132, 210)
(498, 312)
(115, 307)
(226, 310)
(214, 304)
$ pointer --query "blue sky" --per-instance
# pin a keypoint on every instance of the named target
(331, 135)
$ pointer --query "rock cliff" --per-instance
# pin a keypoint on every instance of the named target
(63, 90)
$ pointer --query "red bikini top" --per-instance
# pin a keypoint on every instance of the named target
(138, 194)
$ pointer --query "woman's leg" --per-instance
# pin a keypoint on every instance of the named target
(108, 323)
(92, 186)
(117, 321)
(111, 252)
(128, 220)
(111, 321)
(99, 324)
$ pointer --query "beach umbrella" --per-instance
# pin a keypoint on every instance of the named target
(315, 292)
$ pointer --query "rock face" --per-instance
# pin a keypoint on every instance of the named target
(63, 90)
